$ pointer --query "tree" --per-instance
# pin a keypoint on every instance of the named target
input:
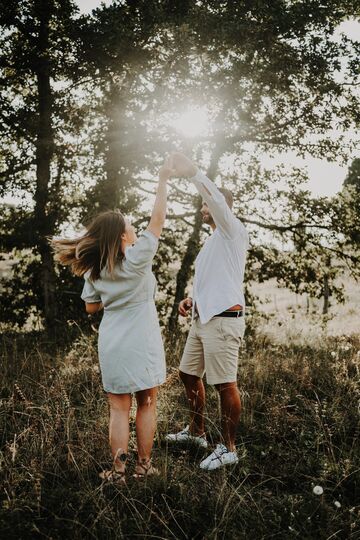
(350, 203)
(353, 176)
(37, 56)
(269, 73)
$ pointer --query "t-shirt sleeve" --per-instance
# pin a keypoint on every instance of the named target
(141, 254)
(89, 293)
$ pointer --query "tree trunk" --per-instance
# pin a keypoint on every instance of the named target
(191, 252)
(44, 153)
(326, 294)
(115, 190)
(326, 287)
(183, 275)
(110, 188)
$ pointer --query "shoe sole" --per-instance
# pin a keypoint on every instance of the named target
(185, 442)
(220, 466)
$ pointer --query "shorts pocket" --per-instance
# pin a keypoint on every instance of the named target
(232, 327)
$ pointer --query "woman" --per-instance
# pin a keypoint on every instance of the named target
(116, 266)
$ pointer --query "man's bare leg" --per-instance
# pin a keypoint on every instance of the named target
(195, 392)
(230, 412)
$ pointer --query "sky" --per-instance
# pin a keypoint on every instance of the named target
(86, 6)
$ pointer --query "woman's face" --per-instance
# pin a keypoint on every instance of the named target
(129, 236)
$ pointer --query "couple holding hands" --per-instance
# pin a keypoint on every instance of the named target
(117, 269)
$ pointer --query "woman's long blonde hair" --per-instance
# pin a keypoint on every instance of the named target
(98, 248)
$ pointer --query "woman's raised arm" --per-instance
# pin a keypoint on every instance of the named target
(158, 215)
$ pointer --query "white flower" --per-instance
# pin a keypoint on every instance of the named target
(318, 490)
(333, 354)
(337, 504)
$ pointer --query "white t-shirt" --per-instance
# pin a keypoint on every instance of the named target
(220, 264)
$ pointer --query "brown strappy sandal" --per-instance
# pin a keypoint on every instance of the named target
(144, 468)
(113, 476)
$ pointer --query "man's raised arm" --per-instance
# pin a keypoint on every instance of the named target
(222, 215)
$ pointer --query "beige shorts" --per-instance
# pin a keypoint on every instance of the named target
(214, 348)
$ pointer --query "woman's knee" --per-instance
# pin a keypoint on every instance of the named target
(146, 398)
(119, 402)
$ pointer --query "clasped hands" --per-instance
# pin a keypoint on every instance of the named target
(177, 164)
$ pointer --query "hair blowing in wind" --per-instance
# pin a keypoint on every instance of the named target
(98, 248)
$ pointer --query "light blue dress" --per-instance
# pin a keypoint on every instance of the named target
(130, 346)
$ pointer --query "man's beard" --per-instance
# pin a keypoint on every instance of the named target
(207, 218)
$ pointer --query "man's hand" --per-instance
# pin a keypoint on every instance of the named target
(167, 169)
(184, 306)
(183, 165)
(93, 307)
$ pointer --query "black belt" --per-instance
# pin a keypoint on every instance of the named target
(236, 314)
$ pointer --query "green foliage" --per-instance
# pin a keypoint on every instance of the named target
(20, 295)
(353, 176)
(349, 202)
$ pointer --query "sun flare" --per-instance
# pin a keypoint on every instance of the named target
(192, 122)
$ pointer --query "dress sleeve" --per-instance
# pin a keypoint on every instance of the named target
(229, 225)
(89, 293)
(141, 254)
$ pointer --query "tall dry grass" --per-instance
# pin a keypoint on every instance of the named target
(299, 429)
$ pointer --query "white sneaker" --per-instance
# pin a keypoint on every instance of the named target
(185, 436)
(219, 458)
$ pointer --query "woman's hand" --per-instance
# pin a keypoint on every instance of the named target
(166, 170)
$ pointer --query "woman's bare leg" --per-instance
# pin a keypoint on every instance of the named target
(145, 422)
(119, 426)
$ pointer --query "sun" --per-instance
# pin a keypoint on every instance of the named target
(192, 123)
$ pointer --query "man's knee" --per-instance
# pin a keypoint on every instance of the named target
(229, 387)
(189, 380)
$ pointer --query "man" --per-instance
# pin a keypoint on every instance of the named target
(218, 323)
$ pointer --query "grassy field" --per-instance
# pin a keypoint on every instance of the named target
(299, 429)
(288, 317)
